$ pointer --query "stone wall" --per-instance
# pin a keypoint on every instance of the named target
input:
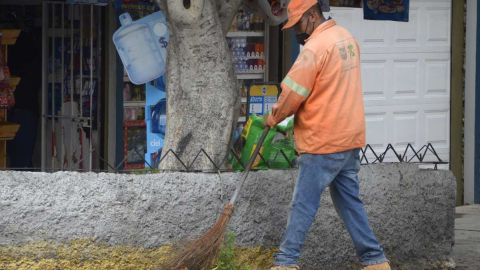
(411, 211)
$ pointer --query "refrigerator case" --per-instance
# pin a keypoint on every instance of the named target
(248, 41)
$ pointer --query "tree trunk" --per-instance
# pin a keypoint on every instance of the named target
(203, 99)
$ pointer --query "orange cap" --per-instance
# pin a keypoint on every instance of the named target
(295, 10)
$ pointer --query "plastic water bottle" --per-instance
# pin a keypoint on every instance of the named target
(142, 46)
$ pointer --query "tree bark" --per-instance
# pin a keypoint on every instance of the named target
(226, 11)
(203, 99)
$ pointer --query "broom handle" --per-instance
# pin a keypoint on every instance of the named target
(250, 164)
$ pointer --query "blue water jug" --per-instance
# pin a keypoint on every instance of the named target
(142, 46)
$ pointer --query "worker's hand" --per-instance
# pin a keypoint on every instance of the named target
(268, 120)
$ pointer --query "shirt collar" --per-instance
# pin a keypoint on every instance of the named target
(322, 27)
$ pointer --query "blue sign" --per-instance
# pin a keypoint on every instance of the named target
(261, 99)
(156, 120)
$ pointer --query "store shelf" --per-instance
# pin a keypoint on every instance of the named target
(254, 57)
(257, 71)
(8, 130)
(245, 34)
(9, 36)
(14, 81)
(250, 76)
(134, 103)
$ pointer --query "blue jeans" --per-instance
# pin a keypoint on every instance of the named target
(339, 171)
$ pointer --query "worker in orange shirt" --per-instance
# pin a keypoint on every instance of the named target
(324, 91)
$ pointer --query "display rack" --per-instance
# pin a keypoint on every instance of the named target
(248, 41)
(8, 83)
(71, 99)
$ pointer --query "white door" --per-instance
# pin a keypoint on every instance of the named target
(406, 76)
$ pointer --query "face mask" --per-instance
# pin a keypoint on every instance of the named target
(301, 37)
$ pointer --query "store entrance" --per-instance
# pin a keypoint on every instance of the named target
(71, 95)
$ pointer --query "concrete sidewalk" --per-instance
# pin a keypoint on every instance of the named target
(466, 251)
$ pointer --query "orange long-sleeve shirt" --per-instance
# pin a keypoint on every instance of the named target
(324, 91)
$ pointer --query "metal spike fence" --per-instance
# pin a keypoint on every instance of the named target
(368, 155)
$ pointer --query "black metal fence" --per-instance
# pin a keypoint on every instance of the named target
(425, 155)
(368, 155)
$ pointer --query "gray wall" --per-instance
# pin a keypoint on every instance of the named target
(410, 210)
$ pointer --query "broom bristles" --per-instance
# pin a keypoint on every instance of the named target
(201, 254)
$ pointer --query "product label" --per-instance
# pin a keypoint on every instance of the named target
(262, 98)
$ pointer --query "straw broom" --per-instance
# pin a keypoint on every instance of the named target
(201, 254)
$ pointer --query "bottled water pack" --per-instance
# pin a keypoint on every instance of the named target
(142, 46)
